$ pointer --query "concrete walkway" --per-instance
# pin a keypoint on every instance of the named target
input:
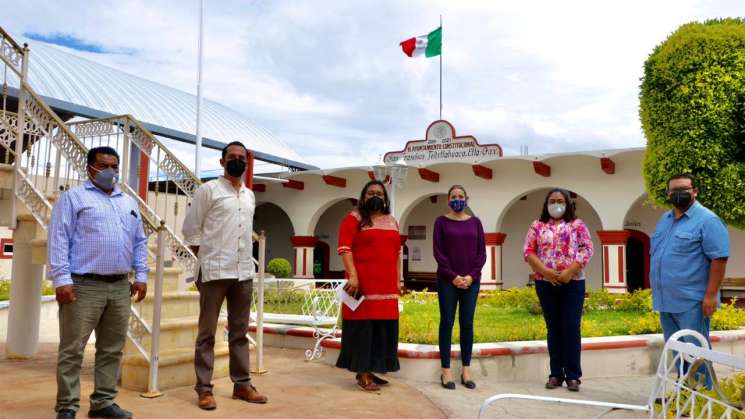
(296, 389)
(462, 403)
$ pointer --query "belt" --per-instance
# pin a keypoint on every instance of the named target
(104, 278)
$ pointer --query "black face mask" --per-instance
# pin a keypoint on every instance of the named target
(235, 167)
(374, 204)
(681, 199)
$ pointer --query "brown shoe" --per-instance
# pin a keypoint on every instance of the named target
(249, 394)
(573, 385)
(553, 382)
(207, 401)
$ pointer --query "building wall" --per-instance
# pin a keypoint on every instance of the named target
(278, 229)
(515, 225)
(617, 199)
(327, 230)
(424, 214)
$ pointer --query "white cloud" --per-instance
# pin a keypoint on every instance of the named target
(329, 78)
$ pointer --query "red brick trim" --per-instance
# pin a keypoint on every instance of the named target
(612, 237)
(429, 175)
(542, 168)
(482, 171)
(294, 184)
(607, 165)
(494, 239)
(304, 241)
(339, 182)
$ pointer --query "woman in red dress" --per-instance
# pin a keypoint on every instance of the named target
(369, 244)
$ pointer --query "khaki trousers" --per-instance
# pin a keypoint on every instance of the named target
(103, 307)
(211, 296)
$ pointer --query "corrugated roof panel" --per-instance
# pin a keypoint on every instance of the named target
(60, 75)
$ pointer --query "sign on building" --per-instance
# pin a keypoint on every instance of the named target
(442, 145)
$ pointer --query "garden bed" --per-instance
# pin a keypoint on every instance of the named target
(515, 315)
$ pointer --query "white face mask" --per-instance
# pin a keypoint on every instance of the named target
(556, 210)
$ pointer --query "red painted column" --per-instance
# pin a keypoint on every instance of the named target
(249, 178)
(143, 175)
(491, 273)
(401, 278)
(614, 260)
(304, 246)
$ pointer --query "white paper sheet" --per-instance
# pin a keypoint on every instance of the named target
(347, 299)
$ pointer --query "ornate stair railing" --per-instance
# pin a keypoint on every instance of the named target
(152, 174)
(50, 156)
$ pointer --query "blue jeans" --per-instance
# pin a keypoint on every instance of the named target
(449, 297)
(692, 319)
(562, 311)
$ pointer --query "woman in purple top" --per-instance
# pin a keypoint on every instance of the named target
(460, 254)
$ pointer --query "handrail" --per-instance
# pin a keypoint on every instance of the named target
(146, 142)
(11, 52)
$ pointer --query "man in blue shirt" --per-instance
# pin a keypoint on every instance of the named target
(690, 247)
(95, 240)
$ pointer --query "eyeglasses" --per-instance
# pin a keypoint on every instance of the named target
(682, 190)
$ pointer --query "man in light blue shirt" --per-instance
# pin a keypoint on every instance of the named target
(95, 240)
(690, 247)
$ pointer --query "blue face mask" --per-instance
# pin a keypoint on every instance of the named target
(106, 178)
(457, 205)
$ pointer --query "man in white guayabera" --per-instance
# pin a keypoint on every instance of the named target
(219, 228)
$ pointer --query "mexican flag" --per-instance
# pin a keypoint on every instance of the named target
(430, 44)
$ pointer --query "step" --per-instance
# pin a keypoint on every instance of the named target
(174, 304)
(176, 368)
(177, 333)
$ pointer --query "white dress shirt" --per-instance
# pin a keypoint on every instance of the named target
(220, 221)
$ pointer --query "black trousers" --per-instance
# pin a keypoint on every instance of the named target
(450, 297)
(562, 311)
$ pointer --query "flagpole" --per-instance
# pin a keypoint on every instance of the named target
(440, 66)
(198, 142)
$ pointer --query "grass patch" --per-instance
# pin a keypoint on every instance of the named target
(46, 289)
(515, 315)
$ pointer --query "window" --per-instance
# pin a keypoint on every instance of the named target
(6, 248)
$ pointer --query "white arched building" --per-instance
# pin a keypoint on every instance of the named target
(301, 217)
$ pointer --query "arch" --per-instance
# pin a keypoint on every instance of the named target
(402, 219)
(642, 215)
(277, 225)
(326, 229)
(516, 219)
(313, 221)
(511, 203)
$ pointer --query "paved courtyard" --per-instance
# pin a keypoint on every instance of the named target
(298, 389)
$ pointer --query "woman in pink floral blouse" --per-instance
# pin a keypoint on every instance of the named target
(557, 248)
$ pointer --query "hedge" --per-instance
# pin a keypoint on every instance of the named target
(692, 109)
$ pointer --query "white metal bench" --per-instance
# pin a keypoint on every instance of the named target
(675, 393)
(302, 302)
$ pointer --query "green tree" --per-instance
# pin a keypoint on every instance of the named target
(692, 108)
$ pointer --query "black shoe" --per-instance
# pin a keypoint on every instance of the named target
(110, 412)
(66, 414)
(449, 385)
(469, 384)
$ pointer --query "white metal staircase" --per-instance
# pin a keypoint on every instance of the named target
(49, 156)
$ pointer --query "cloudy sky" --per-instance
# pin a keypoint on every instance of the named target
(329, 78)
